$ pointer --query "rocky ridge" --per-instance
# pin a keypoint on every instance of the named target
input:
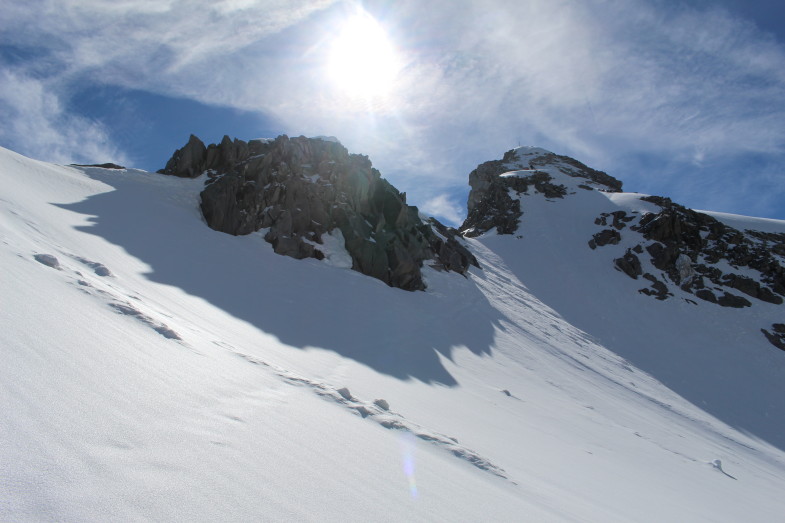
(673, 250)
(687, 246)
(700, 255)
(304, 191)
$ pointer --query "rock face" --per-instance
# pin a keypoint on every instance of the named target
(494, 184)
(300, 189)
(700, 255)
(688, 246)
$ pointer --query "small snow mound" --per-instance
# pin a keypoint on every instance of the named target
(345, 394)
(48, 260)
(99, 268)
(382, 404)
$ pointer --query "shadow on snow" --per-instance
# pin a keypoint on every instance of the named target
(304, 303)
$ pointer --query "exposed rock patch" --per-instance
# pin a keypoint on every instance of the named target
(605, 237)
(688, 247)
(382, 404)
(731, 300)
(619, 219)
(629, 264)
(777, 337)
(658, 289)
(161, 328)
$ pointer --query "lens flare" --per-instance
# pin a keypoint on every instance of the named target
(407, 451)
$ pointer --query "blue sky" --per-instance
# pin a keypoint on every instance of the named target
(684, 99)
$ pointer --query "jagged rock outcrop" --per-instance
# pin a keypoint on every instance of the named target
(687, 246)
(629, 264)
(491, 204)
(300, 189)
(698, 254)
(194, 158)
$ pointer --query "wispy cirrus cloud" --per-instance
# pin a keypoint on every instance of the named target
(35, 124)
(603, 81)
(50, 49)
(136, 37)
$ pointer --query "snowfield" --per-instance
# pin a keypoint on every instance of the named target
(154, 369)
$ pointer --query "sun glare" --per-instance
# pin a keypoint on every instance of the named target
(363, 61)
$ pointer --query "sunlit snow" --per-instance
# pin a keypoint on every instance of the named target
(160, 370)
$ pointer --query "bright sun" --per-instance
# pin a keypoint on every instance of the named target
(363, 61)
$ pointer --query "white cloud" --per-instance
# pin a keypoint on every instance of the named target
(598, 80)
(442, 206)
(36, 125)
(137, 44)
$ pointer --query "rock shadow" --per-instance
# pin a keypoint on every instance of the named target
(304, 303)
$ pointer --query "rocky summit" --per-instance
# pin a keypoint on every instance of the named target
(301, 191)
(496, 185)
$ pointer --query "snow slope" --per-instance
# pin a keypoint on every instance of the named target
(715, 357)
(164, 371)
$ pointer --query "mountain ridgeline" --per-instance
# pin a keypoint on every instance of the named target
(301, 189)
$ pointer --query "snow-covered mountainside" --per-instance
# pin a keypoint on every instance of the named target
(156, 369)
(603, 258)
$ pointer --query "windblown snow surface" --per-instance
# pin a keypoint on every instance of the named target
(154, 369)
